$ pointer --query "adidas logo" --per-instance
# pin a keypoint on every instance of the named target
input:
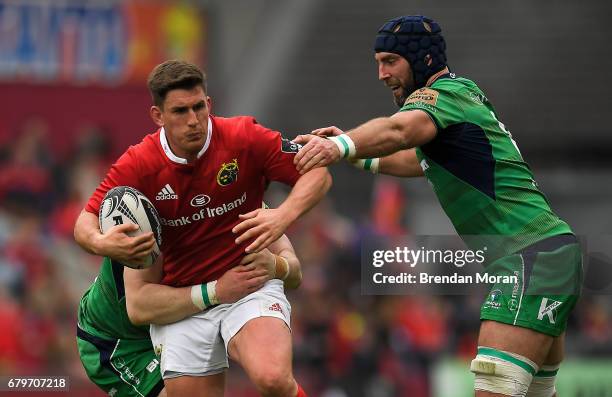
(166, 193)
(275, 308)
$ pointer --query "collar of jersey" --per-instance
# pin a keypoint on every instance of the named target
(173, 157)
(449, 75)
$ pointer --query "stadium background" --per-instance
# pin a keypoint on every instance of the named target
(73, 97)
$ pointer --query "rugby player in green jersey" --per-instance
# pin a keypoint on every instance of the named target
(447, 130)
(113, 334)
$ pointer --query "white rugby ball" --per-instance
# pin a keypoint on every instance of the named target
(124, 204)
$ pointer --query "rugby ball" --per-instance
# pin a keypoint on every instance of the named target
(124, 204)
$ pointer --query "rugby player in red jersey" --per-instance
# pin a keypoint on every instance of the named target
(201, 171)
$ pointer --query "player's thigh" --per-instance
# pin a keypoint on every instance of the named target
(196, 386)
(525, 315)
(528, 343)
(120, 366)
(263, 345)
(257, 332)
(556, 352)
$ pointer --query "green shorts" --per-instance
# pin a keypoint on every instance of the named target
(543, 288)
(120, 367)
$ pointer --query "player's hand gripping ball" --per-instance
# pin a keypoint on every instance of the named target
(124, 204)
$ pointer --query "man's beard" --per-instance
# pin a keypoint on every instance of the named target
(406, 91)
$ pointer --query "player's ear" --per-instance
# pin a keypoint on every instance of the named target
(156, 115)
(209, 103)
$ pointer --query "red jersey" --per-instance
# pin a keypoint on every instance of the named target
(199, 203)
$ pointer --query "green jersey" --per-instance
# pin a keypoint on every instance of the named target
(102, 311)
(116, 355)
(476, 170)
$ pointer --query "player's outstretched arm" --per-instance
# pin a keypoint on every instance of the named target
(149, 302)
(376, 138)
(115, 244)
(401, 164)
(267, 225)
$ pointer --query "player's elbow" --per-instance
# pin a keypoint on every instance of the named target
(77, 231)
(81, 239)
(411, 129)
(401, 137)
(82, 232)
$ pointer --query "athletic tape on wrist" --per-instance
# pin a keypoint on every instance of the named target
(204, 295)
(212, 292)
(345, 145)
(286, 270)
(368, 164)
(196, 297)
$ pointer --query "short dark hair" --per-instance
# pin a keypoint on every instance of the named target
(171, 75)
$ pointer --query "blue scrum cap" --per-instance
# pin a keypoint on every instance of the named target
(414, 37)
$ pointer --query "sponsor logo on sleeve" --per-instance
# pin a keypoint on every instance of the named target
(423, 95)
(288, 146)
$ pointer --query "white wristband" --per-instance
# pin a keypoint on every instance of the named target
(368, 164)
(196, 297)
(204, 295)
(212, 292)
(345, 145)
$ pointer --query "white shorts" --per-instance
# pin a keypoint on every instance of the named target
(197, 345)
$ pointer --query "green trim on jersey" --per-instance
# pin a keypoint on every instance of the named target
(102, 311)
(477, 172)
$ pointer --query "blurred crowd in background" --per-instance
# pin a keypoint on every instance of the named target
(345, 343)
